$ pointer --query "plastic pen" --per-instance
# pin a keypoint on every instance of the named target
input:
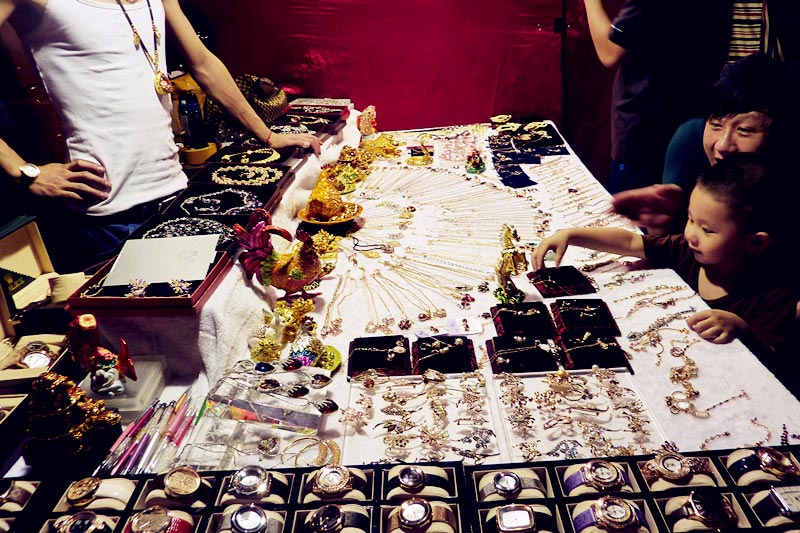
(168, 435)
(125, 438)
(124, 459)
(155, 439)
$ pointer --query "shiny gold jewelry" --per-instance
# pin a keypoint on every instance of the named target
(262, 155)
(246, 175)
(680, 402)
(709, 440)
(761, 425)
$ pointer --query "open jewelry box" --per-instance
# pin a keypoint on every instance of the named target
(26, 268)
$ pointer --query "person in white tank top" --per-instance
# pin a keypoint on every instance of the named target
(109, 94)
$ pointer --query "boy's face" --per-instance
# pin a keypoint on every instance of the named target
(745, 132)
(711, 230)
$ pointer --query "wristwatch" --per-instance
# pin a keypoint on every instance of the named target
(183, 483)
(517, 518)
(413, 479)
(509, 484)
(711, 509)
(416, 514)
(673, 466)
(83, 492)
(768, 460)
(611, 513)
(29, 174)
(13, 492)
(599, 474)
(250, 519)
(82, 522)
(332, 480)
(779, 501)
(36, 354)
(156, 519)
(256, 482)
(332, 518)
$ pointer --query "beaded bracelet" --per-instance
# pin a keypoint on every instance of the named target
(248, 175)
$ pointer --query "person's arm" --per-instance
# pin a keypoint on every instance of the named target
(612, 240)
(215, 79)
(608, 52)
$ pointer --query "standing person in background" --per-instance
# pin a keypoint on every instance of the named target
(104, 69)
(667, 55)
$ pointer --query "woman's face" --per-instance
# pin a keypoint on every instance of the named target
(745, 132)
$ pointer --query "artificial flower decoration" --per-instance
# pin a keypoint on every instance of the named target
(259, 255)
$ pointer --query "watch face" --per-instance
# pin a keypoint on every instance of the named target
(152, 520)
(603, 475)
(412, 478)
(672, 466)
(326, 519)
(515, 517)
(249, 519)
(788, 499)
(332, 479)
(614, 513)
(507, 483)
(181, 482)
(36, 359)
(81, 522)
(249, 480)
(776, 462)
(415, 513)
(81, 492)
(30, 170)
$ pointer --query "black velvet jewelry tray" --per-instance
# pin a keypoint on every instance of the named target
(233, 149)
(585, 349)
(584, 314)
(522, 354)
(526, 317)
(452, 354)
(379, 353)
(267, 196)
(561, 281)
(205, 175)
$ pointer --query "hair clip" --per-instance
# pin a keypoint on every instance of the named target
(137, 288)
(180, 287)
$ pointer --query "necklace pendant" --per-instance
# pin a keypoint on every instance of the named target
(136, 39)
(162, 83)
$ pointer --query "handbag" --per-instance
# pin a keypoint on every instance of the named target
(267, 99)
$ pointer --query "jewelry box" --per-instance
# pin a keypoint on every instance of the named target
(389, 355)
(521, 353)
(525, 317)
(446, 353)
(561, 281)
(584, 349)
(581, 315)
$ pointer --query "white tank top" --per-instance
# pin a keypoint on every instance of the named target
(103, 89)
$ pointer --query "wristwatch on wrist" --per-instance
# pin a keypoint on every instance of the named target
(779, 501)
(255, 482)
(332, 480)
(518, 518)
(711, 509)
(413, 479)
(82, 522)
(509, 484)
(332, 518)
(673, 466)
(611, 513)
(598, 473)
(416, 514)
(29, 174)
(767, 459)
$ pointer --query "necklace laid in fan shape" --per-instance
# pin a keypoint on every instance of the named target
(162, 82)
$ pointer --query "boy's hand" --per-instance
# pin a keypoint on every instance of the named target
(717, 326)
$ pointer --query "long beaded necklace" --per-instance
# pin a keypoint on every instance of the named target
(161, 82)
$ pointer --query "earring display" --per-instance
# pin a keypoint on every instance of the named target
(389, 354)
(444, 353)
(581, 315)
(561, 281)
(525, 317)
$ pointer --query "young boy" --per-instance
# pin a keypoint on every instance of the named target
(725, 254)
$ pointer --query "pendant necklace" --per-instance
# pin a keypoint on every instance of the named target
(162, 82)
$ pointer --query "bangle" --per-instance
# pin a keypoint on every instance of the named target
(268, 137)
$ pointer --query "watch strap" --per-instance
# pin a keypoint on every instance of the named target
(576, 479)
(744, 465)
(276, 486)
(767, 508)
(588, 518)
(543, 521)
(526, 482)
(356, 483)
(431, 480)
(440, 512)
(14, 493)
(179, 525)
(349, 519)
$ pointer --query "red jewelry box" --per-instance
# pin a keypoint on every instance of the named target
(561, 281)
(525, 317)
(584, 314)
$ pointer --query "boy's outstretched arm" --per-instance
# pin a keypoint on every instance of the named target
(612, 240)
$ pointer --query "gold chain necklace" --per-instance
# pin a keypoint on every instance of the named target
(162, 82)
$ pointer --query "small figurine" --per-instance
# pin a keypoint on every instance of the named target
(475, 164)
(107, 369)
(511, 263)
(367, 122)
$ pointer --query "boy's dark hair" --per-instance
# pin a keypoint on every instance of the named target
(752, 189)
